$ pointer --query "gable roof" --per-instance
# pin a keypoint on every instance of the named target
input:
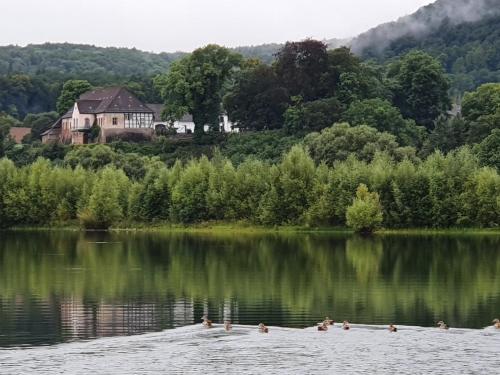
(157, 109)
(111, 100)
(88, 106)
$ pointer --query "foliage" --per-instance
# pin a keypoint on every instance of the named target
(39, 123)
(448, 134)
(466, 44)
(340, 141)
(257, 100)
(196, 85)
(303, 69)
(365, 213)
(420, 88)
(71, 91)
(481, 109)
(383, 116)
(312, 116)
(6, 122)
(106, 202)
(488, 150)
(21, 94)
(441, 191)
(267, 146)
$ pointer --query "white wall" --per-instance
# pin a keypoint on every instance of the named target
(182, 127)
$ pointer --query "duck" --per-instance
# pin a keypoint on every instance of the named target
(345, 325)
(228, 326)
(323, 326)
(329, 321)
(263, 328)
(496, 323)
(392, 328)
(206, 322)
(442, 325)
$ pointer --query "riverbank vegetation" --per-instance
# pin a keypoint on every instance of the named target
(440, 191)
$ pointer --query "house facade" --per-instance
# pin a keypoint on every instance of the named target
(117, 114)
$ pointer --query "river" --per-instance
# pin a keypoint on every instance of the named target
(74, 302)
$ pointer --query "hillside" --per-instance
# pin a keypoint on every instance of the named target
(82, 61)
(463, 34)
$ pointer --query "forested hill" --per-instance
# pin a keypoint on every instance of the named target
(81, 61)
(463, 34)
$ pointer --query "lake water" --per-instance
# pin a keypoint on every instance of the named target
(131, 303)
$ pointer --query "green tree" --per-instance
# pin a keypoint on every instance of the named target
(39, 122)
(341, 140)
(448, 134)
(303, 68)
(421, 88)
(6, 122)
(383, 116)
(106, 203)
(488, 150)
(196, 85)
(365, 213)
(312, 116)
(291, 185)
(257, 100)
(71, 91)
(189, 194)
(481, 109)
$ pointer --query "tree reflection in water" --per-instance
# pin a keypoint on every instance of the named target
(60, 286)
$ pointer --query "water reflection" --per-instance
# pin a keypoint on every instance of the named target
(57, 287)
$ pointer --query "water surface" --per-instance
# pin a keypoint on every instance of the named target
(61, 287)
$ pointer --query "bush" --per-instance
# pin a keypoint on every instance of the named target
(365, 214)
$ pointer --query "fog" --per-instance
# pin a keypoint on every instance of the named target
(426, 20)
(158, 25)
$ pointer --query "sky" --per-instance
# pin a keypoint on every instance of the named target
(183, 25)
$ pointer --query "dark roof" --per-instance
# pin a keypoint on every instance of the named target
(68, 114)
(111, 100)
(157, 109)
(51, 130)
(88, 106)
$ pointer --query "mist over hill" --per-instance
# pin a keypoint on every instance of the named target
(424, 22)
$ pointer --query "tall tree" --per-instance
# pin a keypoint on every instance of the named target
(481, 109)
(420, 88)
(257, 101)
(303, 68)
(196, 85)
(365, 213)
(70, 93)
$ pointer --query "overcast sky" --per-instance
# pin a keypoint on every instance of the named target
(173, 25)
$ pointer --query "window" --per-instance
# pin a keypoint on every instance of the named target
(115, 120)
(87, 123)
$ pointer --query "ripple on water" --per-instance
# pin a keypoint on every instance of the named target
(364, 349)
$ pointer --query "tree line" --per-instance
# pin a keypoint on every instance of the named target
(442, 191)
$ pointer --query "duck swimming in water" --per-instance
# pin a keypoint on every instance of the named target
(442, 325)
(329, 321)
(392, 328)
(263, 328)
(496, 323)
(323, 326)
(206, 323)
(228, 326)
(345, 325)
